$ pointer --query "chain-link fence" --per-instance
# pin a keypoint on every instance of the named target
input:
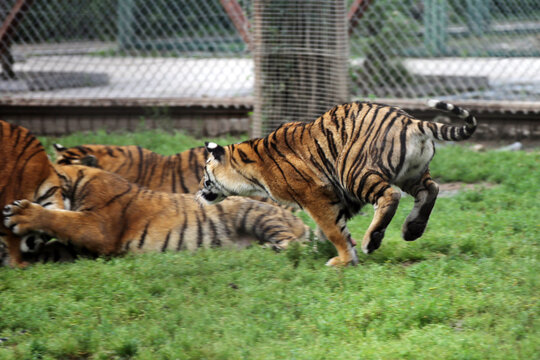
(75, 50)
(457, 49)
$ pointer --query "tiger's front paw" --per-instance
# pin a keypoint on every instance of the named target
(20, 216)
(351, 259)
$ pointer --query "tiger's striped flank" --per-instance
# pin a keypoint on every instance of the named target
(180, 173)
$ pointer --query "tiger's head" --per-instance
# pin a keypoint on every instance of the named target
(81, 155)
(225, 175)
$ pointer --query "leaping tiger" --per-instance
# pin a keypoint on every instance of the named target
(334, 165)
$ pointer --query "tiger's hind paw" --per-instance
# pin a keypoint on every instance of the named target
(413, 230)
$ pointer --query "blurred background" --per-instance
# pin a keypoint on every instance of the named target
(234, 66)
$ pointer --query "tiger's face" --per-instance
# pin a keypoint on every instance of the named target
(221, 179)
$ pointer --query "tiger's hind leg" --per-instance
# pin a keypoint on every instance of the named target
(425, 194)
(385, 200)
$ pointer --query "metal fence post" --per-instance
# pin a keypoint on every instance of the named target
(126, 31)
(8, 27)
(298, 74)
(435, 21)
(477, 15)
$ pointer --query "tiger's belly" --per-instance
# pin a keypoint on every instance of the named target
(419, 153)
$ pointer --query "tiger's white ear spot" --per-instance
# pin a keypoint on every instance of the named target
(59, 147)
(212, 145)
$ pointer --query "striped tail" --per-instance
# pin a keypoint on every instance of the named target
(448, 132)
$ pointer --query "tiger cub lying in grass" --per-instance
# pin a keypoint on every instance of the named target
(107, 215)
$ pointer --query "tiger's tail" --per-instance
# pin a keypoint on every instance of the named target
(448, 132)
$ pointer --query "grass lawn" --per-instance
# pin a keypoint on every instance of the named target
(468, 289)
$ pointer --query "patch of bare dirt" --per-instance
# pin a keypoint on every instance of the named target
(453, 188)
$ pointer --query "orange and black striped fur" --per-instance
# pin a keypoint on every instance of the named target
(25, 173)
(180, 173)
(107, 215)
(331, 167)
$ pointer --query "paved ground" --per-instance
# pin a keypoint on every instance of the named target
(150, 78)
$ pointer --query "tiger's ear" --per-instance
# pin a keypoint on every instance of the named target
(89, 160)
(215, 149)
(59, 147)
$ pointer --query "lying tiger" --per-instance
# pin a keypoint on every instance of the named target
(107, 215)
(25, 173)
(180, 173)
(334, 165)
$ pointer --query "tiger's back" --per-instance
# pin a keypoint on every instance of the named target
(25, 173)
(179, 173)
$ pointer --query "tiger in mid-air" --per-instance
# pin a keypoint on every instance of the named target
(107, 215)
(25, 173)
(333, 166)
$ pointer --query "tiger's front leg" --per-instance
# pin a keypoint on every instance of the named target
(81, 228)
(334, 227)
(13, 249)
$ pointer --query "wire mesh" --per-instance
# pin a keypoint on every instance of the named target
(74, 49)
(301, 53)
(288, 58)
(452, 49)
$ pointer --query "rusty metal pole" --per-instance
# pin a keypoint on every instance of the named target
(7, 29)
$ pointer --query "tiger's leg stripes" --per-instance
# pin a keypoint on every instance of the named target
(385, 201)
(336, 232)
(425, 194)
(277, 232)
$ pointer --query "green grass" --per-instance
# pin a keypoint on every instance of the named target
(468, 289)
